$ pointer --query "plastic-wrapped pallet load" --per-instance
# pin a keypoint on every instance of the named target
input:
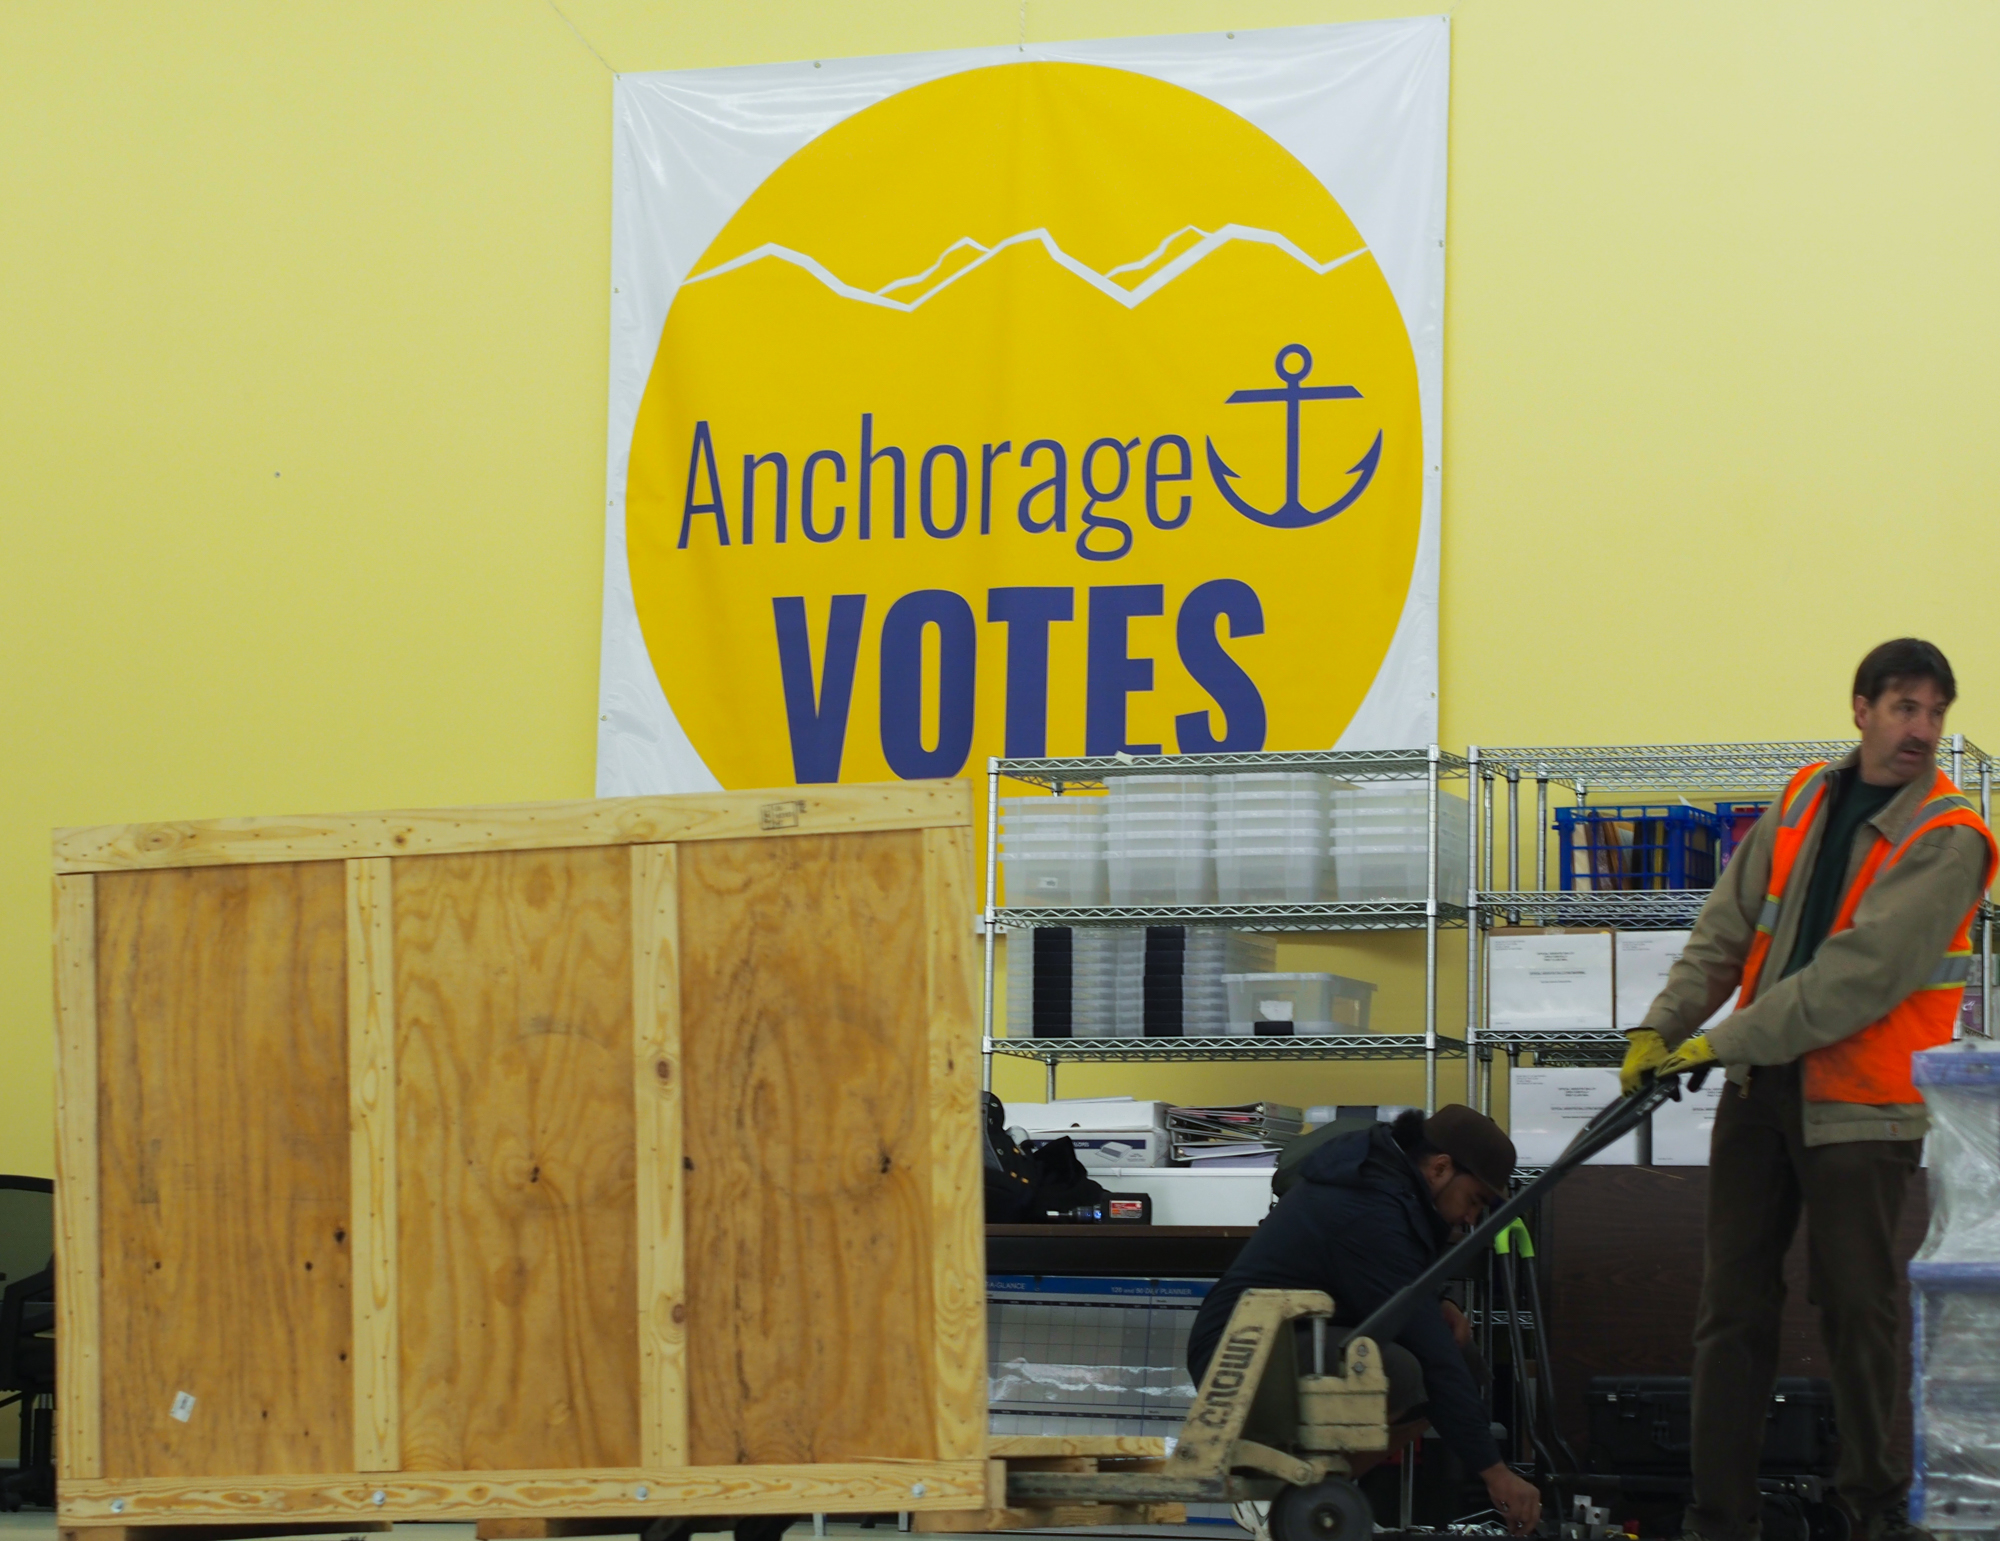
(1955, 1295)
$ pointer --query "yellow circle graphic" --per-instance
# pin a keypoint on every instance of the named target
(1041, 409)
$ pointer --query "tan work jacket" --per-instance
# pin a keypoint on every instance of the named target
(1901, 929)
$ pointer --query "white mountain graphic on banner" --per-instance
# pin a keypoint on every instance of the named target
(1188, 246)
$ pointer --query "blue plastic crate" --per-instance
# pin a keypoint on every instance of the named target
(1638, 846)
(1738, 819)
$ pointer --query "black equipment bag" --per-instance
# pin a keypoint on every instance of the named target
(1640, 1424)
(1048, 1186)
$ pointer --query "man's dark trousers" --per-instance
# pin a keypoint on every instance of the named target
(1760, 1173)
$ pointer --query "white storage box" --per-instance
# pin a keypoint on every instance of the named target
(1312, 1003)
(1183, 1196)
(1681, 1130)
(1546, 1108)
(1068, 1114)
(1548, 981)
(1644, 959)
(1111, 1149)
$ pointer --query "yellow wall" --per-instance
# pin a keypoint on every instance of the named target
(302, 404)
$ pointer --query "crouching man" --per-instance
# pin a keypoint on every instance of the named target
(1371, 1210)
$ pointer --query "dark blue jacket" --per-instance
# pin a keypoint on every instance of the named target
(1360, 1224)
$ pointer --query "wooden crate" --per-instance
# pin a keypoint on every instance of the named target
(586, 1160)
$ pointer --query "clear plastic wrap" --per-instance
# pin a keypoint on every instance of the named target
(1961, 1088)
(1955, 1295)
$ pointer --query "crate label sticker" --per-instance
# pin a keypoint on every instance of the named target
(183, 1408)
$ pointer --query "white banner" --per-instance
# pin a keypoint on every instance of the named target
(1067, 398)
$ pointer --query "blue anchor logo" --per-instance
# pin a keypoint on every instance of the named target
(1294, 515)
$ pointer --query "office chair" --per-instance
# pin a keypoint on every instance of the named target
(27, 1341)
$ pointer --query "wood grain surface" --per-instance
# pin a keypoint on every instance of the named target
(870, 1487)
(516, 827)
(956, 1170)
(222, 1001)
(516, 1267)
(371, 1084)
(1625, 1247)
(805, 998)
(656, 1094)
(79, 1289)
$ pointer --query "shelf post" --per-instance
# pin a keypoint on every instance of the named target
(1049, 1092)
(986, 916)
(1479, 827)
(1986, 918)
(1957, 759)
(1541, 832)
(1431, 933)
(1513, 828)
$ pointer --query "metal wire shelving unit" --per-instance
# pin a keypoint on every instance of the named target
(1430, 915)
(1498, 896)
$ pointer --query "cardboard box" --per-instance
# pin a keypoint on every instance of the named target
(1681, 1129)
(1644, 959)
(1110, 1149)
(1546, 1108)
(1548, 981)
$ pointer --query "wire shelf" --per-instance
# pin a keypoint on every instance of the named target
(1350, 764)
(1180, 1051)
(1650, 909)
(1557, 1050)
(1376, 915)
(1762, 767)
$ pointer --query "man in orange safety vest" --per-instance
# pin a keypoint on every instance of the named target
(1843, 927)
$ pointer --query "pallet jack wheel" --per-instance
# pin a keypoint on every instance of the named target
(1333, 1510)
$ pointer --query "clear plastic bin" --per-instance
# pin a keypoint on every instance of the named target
(1043, 879)
(1183, 875)
(1271, 874)
(1311, 1003)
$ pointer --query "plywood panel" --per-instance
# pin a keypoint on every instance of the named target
(371, 1069)
(262, 1505)
(79, 1290)
(656, 1093)
(958, 1242)
(520, 827)
(515, 1139)
(808, 1129)
(222, 999)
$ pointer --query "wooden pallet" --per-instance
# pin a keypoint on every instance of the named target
(1077, 1453)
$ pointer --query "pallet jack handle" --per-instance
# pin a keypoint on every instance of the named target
(1611, 1123)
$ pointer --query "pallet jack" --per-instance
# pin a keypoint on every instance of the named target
(1259, 1429)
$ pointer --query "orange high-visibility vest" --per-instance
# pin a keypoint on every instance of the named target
(1872, 1065)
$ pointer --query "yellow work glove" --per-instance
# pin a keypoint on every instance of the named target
(1691, 1055)
(1648, 1052)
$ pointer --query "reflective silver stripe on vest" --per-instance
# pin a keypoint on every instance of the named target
(1767, 918)
(1796, 809)
(1952, 969)
(1937, 805)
